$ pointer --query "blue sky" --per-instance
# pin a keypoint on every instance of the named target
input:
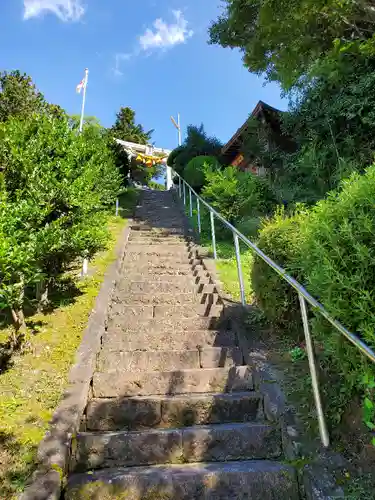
(151, 55)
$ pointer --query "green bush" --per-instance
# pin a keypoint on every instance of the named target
(56, 186)
(237, 194)
(195, 170)
(331, 249)
(280, 239)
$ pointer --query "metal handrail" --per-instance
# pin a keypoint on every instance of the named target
(303, 294)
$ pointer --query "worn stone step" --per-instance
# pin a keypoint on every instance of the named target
(216, 442)
(158, 267)
(135, 322)
(164, 337)
(164, 249)
(216, 357)
(115, 383)
(174, 241)
(123, 315)
(123, 413)
(126, 317)
(149, 229)
(148, 361)
(158, 298)
(247, 479)
(148, 274)
(187, 311)
(140, 260)
(153, 287)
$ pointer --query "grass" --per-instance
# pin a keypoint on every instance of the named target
(226, 263)
(31, 387)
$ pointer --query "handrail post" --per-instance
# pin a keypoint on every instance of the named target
(213, 234)
(239, 269)
(314, 376)
(190, 203)
(184, 187)
(199, 216)
(179, 186)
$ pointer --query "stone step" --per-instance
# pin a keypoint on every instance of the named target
(219, 357)
(158, 298)
(148, 274)
(137, 260)
(152, 361)
(133, 322)
(147, 239)
(148, 361)
(115, 383)
(153, 287)
(109, 414)
(159, 250)
(161, 337)
(217, 443)
(123, 316)
(157, 267)
(150, 230)
(187, 311)
(247, 479)
(165, 298)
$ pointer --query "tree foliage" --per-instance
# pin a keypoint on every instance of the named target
(56, 185)
(196, 143)
(284, 39)
(126, 129)
(330, 249)
(195, 170)
(19, 97)
(237, 194)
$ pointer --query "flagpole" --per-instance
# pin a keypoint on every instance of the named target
(84, 100)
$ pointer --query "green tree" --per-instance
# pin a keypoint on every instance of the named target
(285, 38)
(56, 186)
(126, 129)
(196, 143)
(19, 97)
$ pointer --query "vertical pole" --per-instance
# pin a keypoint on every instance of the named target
(85, 267)
(213, 234)
(83, 100)
(190, 203)
(179, 129)
(169, 178)
(179, 186)
(117, 207)
(239, 269)
(199, 216)
(314, 376)
(184, 187)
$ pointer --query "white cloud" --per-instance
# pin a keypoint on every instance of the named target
(166, 35)
(163, 37)
(66, 10)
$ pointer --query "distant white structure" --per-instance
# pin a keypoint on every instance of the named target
(133, 149)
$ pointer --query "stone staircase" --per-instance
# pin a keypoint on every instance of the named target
(173, 413)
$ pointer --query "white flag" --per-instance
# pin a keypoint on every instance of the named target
(81, 85)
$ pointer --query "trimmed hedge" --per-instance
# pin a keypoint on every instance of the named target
(195, 170)
(331, 249)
